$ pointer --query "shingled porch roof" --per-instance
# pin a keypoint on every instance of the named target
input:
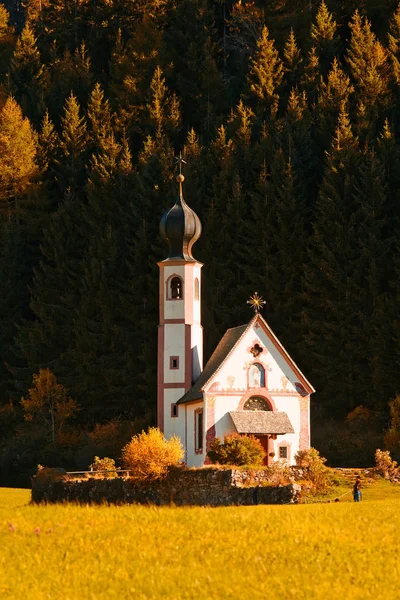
(261, 422)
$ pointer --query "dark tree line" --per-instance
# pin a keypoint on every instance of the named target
(289, 121)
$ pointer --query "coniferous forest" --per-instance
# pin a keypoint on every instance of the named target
(288, 116)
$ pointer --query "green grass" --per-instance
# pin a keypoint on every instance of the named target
(304, 552)
(379, 489)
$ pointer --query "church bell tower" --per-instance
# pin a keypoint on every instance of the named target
(180, 334)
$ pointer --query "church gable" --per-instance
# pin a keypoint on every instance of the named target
(258, 360)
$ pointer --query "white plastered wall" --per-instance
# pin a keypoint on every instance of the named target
(231, 383)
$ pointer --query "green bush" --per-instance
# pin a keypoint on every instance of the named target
(104, 467)
(315, 470)
(237, 450)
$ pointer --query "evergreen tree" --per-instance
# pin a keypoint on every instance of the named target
(324, 36)
(14, 298)
(368, 62)
(265, 75)
(292, 61)
(388, 152)
(48, 157)
(7, 40)
(193, 52)
(27, 75)
(372, 276)
(330, 277)
(278, 240)
(311, 75)
(99, 116)
(163, 108)
(73, 144)
(43, 341)
(240, 127)
(296, 139)
(18, 167)
(334, 93)
(70, 73)
(394, 44)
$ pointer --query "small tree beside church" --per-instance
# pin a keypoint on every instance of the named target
(236, 450)
(48, 403)
(149, 455)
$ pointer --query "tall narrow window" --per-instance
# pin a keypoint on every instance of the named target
(176, 288)
(198, 431)
(196, 289)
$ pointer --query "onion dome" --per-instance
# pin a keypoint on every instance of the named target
(180, 227)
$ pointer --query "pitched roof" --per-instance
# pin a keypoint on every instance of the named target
(260, 421)
(308, 388)
(224, 349)
(220, 354)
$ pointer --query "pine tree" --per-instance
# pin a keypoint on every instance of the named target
(194, 54)
(394, 44)
(163, 108)
(99, 116)
(55, 291)
(7, 40)
(132, 67)
(240, 126)
(197, 177)
(292, 61)
(374, 270)
(49, 145)
(70, 73)
(18, 167)
(311, 75)
(73, 144)
(369, 66)
(334, 93)
(28, 76)
(278, 240)
(330, 277)
(297, 141)
(14, 298)
(388, 152)
(265, 75)
(324, 36)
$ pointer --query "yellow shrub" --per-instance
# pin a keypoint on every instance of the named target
(149, 455)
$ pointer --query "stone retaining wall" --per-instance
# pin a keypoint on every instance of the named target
(192, 487)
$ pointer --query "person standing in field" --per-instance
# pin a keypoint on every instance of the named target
(357, 489)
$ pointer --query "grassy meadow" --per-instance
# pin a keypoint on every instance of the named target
(317, 551)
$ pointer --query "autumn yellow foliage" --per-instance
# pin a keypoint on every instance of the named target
(149, 455)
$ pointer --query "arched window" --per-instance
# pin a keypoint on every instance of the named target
(257, 403)
(176, 288)
(196, 289)
(256, 375)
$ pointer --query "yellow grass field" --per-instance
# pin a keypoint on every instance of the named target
(318, 551)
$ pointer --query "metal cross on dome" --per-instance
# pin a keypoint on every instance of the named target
(180, 161)
(256, 302)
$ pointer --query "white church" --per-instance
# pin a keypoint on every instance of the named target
(250, 385)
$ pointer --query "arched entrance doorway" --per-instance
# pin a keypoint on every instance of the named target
(258, 403)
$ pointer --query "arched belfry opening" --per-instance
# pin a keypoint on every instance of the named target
(176, 288)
